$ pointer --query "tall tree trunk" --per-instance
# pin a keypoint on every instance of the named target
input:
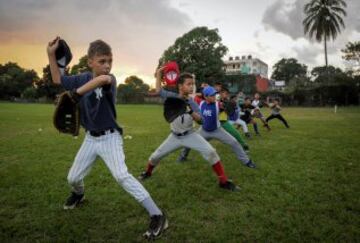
(325, 47)
(326, 65)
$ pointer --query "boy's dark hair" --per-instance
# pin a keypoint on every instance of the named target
(98, 47)
(232, 96)
(225, 90)
(277, 99)
(184, 76)
(218, 83)
(247, 98)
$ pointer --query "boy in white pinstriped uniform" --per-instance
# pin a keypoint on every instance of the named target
(183, 135)
(97, 92)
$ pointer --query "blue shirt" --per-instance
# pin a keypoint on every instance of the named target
(97, 107)
(210, 115)
(235, 115)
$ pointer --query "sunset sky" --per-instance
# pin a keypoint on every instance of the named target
(140, 30)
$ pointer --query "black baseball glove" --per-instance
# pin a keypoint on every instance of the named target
(67, 114)
(174, 107)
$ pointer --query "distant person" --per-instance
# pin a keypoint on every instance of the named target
(234, 116)
(240, 98)
(275, 113)
(246, 109)
(257, 104)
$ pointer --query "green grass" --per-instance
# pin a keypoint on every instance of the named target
(306, 187)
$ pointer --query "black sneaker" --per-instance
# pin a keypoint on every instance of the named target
(248, 135)
(246, 147)
(229, 185)
(144, 175)
(158, 224)
(73, 200)
(183, 155)
(181, 158)
(250, 164)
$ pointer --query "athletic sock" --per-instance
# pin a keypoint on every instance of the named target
(219, 170)
(256, 128)
(151, 207)
(150, 168)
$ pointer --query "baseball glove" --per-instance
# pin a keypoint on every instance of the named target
(174, 107)
(67, 114)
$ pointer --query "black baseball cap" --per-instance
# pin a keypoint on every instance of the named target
(63, 54)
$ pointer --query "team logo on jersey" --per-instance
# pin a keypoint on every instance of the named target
(207, 112)
(98, 92)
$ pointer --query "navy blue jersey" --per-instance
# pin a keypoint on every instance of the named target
(210, 116)
(235, 115)
(97, 107)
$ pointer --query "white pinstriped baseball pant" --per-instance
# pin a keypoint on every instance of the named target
(110, 148)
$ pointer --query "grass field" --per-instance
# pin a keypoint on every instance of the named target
(305, 189)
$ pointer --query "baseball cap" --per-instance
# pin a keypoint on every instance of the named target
(171, 73)
(63, 55)
(209, 91)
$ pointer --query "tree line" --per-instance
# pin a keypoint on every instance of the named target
(201, 51)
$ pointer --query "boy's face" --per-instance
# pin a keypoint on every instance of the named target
(217, 87)
(203, 85)
(276, 102)
(210, 99)
(100, 64)
(247, 101)
(257, 96)
(224, 94)
(187, 87)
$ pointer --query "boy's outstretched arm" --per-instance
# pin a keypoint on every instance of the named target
(196, 116)
(158, 76)
(54, 69)
(94, 83)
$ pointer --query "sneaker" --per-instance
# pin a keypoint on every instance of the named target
(247, 135)
(158, 223)
(181, 158)
(144, 175)
(246, 147)
(73, 200)
(250, 164)
(229, 185)
(183, 155)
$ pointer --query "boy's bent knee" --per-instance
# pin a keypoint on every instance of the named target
(212, 156)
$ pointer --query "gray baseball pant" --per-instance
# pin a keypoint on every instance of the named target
(224, 137)
(192, 140)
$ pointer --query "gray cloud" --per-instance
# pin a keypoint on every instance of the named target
(307, 54)
(286, 18)
(139, 29)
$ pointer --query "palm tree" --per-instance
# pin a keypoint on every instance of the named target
(324, 20)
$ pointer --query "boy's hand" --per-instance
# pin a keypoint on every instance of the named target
(106, 79)
(158, 73)
(53, 45)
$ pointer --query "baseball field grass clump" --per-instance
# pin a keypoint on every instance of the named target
(306, 187)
